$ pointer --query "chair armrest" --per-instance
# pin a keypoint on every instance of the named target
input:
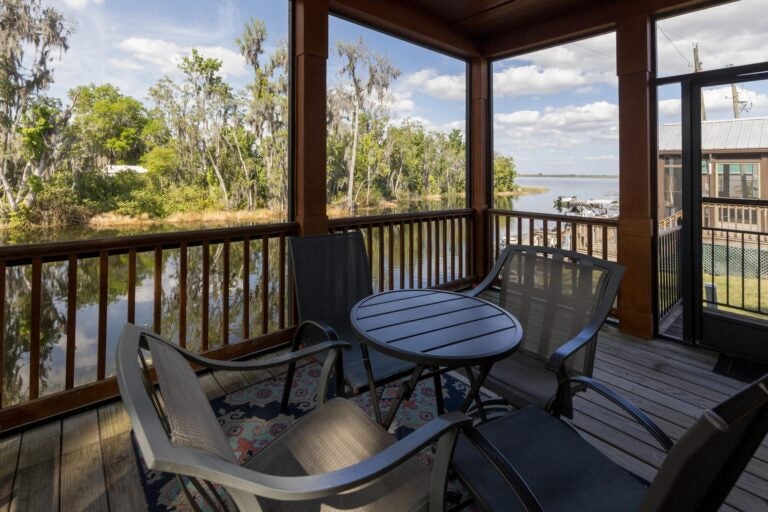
(570, 347)
(200, 464)
(505, 469)
(328, 331)
(216, 364)
(622, 402)
(492, 275)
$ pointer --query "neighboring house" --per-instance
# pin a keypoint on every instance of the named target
(111, 170)
(735, 165)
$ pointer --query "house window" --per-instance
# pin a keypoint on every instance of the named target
(738, 180)
(673, 184)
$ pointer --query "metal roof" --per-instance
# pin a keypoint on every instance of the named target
(729, 134)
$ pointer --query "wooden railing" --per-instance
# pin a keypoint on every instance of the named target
(738, 214)
(595, 236)
(416, 250)
(65, 303)
(672, 221)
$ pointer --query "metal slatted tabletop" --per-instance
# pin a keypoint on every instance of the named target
(439, 331)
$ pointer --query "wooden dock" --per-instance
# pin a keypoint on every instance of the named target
(86, 461)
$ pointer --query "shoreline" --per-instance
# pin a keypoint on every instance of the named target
(219, 218)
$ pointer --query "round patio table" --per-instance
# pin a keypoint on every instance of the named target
(437, 330)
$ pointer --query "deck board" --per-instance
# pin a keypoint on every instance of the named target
(82, 472)
(671, 382)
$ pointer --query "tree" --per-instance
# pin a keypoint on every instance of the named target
(368, 73)
(31, 125)
(504, 173)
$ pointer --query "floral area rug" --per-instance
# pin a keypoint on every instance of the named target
(251, 418)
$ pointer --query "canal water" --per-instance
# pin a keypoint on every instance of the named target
(54, 296)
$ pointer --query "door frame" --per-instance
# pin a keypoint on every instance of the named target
(696, 320)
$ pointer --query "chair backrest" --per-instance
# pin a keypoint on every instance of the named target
(556, 294)
(331, 274)
(704, 464)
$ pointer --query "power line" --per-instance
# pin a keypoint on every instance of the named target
(692, 43)
(675, 47)
(593, 50)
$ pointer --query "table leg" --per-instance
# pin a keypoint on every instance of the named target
(439, 394)
(371, 384)
(474, 389)
(406, 388)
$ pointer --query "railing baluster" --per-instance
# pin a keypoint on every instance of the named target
(2, 332)
(402, 255)
(158, 290)
(382, 276)
(132, 286)
(462, 244)
(496, 244)
(605, 242)
(559, 228)
(421, 254)
(246, 321)
(530, 232)
(264, 284)
(411, 269)
(102, 324)
(545, 233)
(69, 372)
(508, 231)
(519, 230)
(225, 292)
(743, 271)
(369, 230)
(429, 254)
(205, 295)
(437, 252)
(281, 285)
(453, 248)
(391, 255)
(589, 239)
(34, 328)
(183, 270)
(444, 223)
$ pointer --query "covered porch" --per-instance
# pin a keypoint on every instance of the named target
(71, 449)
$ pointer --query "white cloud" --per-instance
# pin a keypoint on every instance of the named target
(166, 55)
(81, 4)
(532, 79)
(520, 117)
(670, 108)
(446, 87)
(125, 64)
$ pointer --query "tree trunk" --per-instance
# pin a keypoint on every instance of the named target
(352, 160)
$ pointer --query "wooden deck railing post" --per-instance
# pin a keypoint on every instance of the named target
(636, 214)
(310, 58)
(480, 161)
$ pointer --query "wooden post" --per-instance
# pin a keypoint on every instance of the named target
(311, 55)
(480, 161)
(636, 214)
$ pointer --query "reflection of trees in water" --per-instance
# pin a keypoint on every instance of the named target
(171, 290)
(18, 327)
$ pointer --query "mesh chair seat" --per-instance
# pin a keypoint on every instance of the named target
(533, 382)
(562, 470)
(350, 436)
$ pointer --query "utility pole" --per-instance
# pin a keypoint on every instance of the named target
(736, 102)
(696, 69)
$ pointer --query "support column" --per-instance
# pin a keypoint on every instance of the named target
(636, 226)
(311, 56)
(480, 160)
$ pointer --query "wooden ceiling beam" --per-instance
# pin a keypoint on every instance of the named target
(403, 20)
(577, 24)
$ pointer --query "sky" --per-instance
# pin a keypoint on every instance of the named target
(555, 110)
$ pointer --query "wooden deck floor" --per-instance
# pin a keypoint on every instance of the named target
(86, 461)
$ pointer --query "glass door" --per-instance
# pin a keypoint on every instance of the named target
(725, 157)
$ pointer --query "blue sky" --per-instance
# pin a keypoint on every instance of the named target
(555, 110)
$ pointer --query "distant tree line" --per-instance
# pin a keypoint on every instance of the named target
(205, 145)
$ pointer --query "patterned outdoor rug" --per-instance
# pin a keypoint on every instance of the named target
(251, 418)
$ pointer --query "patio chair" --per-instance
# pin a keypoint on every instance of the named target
(561, 299)
(333, 458)
(532, 459)
(331, 274)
